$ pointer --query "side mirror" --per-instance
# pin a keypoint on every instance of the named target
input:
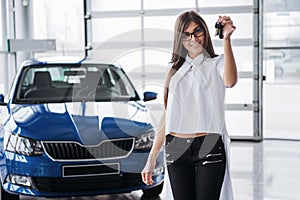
(2, 100)
(148, 96)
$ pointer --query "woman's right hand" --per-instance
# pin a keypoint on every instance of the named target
(147, 171)
(229, 28)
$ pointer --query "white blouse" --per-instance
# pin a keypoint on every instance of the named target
(196, 97)
(196, 104)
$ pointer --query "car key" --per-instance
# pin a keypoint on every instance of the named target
(219, 30)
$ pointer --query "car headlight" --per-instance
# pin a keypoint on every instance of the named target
(144, 141)
(24, 146)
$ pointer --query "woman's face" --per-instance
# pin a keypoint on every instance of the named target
(193, 39)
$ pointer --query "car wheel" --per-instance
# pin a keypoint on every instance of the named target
(154, 191)
(7, 196)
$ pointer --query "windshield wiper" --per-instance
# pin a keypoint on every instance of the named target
(26, 101)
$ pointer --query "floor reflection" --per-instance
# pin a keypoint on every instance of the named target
(128, 196)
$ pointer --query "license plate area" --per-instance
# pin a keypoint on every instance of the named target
(90, 170)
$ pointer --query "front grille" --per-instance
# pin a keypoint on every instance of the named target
(88, 184)
(75, 151)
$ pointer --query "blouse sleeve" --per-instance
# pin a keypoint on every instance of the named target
(219, 60)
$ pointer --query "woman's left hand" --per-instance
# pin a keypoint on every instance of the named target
(228, 28)
(148, 170)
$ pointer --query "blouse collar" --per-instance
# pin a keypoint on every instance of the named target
(186, 67)
(196, 61)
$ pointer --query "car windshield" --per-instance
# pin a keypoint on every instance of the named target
(53, 83)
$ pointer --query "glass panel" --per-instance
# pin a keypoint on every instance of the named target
(113, 42)
(281, 111)
(282, 65)
(244, 23)
(241, 93)
(69, 32)
(284, 31)
(161, 37)
(158, 4)
(158, 57)
(1, 26)
(131, 63)
(160, 22)
(156, 69)
(239, 123)
(104, 5)
(116, 29)
(217, 3)
(159, 30)
(243, 57)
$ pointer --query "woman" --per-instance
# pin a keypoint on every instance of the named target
(193, 124)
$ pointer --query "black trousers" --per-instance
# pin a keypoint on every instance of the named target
(196, 166)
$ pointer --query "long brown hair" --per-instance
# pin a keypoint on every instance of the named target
(179, 52)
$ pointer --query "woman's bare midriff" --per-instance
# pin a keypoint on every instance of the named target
(191, 135)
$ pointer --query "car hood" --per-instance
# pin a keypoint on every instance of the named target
(85, 122)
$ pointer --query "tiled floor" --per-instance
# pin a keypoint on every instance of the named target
(266, 171)
(269, 170)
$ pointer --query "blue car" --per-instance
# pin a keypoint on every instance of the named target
(75, 129)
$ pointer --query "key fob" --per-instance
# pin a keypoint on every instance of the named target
(219, 30)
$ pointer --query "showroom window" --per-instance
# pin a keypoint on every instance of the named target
(143, 46)
(282, 69)
(64, 23)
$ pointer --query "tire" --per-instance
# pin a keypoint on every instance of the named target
(7, 196)
(154, 191)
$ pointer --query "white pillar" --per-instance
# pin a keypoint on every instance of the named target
(17, 23)
(23, 26)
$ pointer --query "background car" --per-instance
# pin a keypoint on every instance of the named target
(75, 129)
(288, 67)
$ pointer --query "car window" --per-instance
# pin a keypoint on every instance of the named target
(66, 83)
